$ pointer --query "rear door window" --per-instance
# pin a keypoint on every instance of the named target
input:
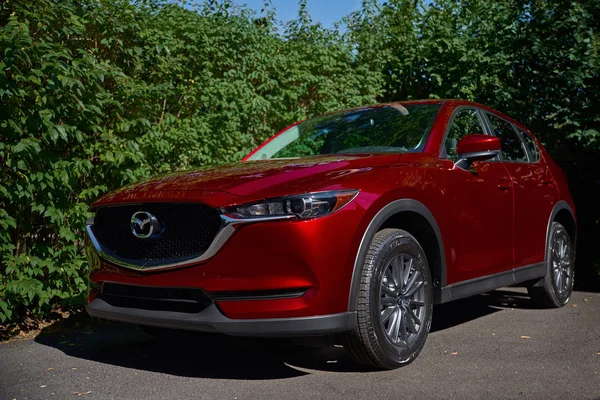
(513, 148)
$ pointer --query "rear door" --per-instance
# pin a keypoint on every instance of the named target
(480, 206)
(534, 189)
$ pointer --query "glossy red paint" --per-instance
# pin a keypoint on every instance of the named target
(491, 218)
(478, 229)
(243, 182)
(477, 143)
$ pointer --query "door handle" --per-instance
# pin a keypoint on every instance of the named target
(505, 186)
(547, 183)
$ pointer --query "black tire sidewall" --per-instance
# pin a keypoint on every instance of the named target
(390, 248)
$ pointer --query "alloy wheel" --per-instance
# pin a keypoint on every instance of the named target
(561, 259)
(402, 301)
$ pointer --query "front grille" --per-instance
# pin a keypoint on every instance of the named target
(184, 300)
(188, 230)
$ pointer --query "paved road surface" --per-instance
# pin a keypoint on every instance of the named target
(486, 347)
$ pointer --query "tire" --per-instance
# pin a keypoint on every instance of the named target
(555, 288)
(387, 336)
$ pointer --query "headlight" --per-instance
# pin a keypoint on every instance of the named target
(308, 205)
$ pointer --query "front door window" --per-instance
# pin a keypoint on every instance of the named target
(465, 122)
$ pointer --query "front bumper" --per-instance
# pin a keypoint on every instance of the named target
(212, 320)
(315, 257)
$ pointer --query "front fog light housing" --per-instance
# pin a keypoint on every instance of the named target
(308, 205)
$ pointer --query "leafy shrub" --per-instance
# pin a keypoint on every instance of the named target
(99, 93)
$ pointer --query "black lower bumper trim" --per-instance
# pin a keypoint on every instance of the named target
(258, 295)
(212, 320)
(185, 300)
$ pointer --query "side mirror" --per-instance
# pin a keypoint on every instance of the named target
(476, 148)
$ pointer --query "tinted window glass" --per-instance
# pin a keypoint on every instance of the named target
(465, 122)
(531, 146)
(512, 146)
(395, 128)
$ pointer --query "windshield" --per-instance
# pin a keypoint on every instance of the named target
(381, 129)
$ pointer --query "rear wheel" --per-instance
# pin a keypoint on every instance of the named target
(554, 290)
(395, 302)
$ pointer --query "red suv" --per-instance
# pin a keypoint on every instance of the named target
(352, 224)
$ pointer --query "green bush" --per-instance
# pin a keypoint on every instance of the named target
(99, 93)
(536, 61)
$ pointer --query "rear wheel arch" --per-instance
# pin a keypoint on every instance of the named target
(563, 214)
(414, 217)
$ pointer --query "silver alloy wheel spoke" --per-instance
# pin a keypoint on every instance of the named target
(407, 271)
(402, 300)
(567, 282)
(392, 331)
(387, 313)
(412, 320)
(561, 263)
(389, 278)
(555, 252)
(388, 292)
(413, 288)
(417, 303)
(402, 331)
(561, 249)
(412, 281)
(559, 283)
(397, 264)
(389, 301)
(556, 275)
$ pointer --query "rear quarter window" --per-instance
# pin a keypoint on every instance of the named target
(534, 151)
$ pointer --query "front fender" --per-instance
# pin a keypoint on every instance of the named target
(389, 210)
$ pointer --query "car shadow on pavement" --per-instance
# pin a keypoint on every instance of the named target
(464, 310)
(182, 353)
(222, 357)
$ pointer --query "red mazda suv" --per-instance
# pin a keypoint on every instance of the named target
(351, 224)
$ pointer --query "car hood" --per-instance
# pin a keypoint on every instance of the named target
(232, 183)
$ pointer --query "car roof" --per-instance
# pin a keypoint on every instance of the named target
(448, 102)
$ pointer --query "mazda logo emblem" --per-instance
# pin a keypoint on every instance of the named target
(145, 225)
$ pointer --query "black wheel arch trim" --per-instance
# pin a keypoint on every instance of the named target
(374, 226)
(561, 205)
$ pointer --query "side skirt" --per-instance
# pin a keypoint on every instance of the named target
(487, 283)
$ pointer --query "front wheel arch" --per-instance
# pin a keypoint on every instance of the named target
(414, 217)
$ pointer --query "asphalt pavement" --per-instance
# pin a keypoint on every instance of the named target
(485, 347)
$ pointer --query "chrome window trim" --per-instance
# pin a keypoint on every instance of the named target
(228, 223)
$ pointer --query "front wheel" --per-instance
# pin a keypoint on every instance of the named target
(395, 302)
(554, 290)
